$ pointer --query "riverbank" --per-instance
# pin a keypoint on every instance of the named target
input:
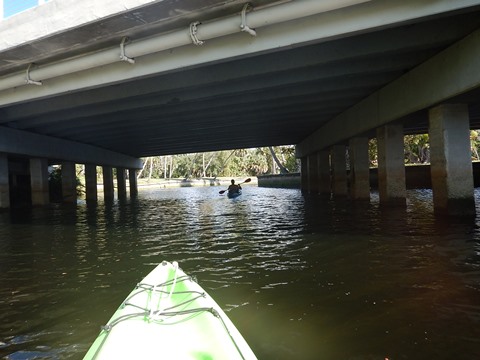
(172, 183)
(416, 177)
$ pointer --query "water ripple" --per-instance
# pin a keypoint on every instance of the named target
(300, 277)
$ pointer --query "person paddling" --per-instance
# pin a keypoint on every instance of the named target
(234, 187)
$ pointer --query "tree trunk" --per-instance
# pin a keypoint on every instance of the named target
(283, 169)
(151, 169)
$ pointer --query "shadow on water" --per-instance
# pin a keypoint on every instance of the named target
(301, 277)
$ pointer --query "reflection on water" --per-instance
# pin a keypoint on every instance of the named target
(302, 278)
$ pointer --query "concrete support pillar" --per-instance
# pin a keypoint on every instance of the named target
(313, 180)
(359, 169)
(108, 188)
(451, 164)
(304, 174)
(4, 182)
(39, 181)
(339, 170)
(69, 182)
(121, 183)
(91, 183)
(324, 172)
(391, 164)
(132, 179)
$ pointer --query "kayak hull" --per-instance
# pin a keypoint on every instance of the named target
(169, 316)
(234, 194)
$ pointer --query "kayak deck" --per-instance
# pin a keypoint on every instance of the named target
(168, 315)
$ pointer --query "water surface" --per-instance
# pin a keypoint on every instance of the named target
(301, 278)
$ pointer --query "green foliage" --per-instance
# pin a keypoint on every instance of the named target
(258, 161)
(417, 149)
(475, 144)
(246, 162)
(373, 152)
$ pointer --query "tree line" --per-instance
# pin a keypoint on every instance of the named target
(259, 161)
(229, 163)
(270, 160)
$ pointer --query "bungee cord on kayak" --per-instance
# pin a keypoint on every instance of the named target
(178, 301)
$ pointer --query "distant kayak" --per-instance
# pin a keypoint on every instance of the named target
(233, 190)
(169, 316)
(234, 194)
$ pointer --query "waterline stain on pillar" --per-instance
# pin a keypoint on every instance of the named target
(451, 164)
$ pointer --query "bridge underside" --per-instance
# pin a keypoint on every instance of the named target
(313, 75)
(317, 75)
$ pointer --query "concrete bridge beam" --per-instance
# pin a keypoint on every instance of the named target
(391, 164)
(24, 143)
(39, 181)
(451, 165)
(450, 73)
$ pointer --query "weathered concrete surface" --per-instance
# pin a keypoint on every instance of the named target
(57, 28)
(108, 187)
(39, 181)
(446, 75)
(281, 181)
(359, 168)
(121, 183)
(29, 144)
(91, 190)
(185, 99)
(416, 177)
(391, 166)
(69, 182)
(452, 178)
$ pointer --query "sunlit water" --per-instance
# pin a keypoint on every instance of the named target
(300, 277)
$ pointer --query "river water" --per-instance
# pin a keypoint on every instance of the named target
(302, 278)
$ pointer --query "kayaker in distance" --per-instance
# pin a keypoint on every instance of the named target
(234, 187)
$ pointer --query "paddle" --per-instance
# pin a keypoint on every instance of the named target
(246, 181)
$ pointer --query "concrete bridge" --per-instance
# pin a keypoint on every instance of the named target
(104, 83)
